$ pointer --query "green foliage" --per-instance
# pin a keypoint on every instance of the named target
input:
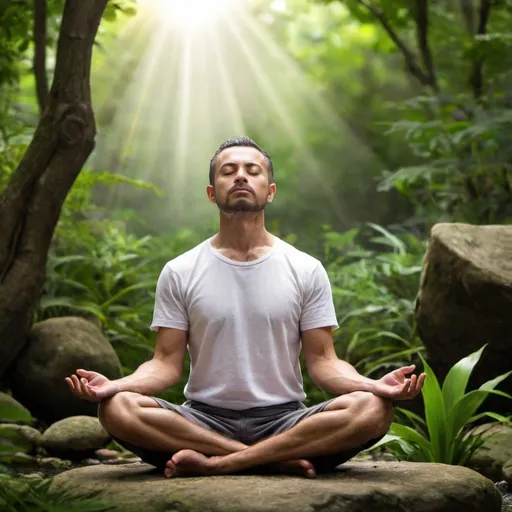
(21, 494)
(26, 494)
(374, 276)
(449, 410)
(462, 170)
(99, 269)
(374, 283)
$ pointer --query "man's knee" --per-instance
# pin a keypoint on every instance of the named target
(116, 410)
(376, 413)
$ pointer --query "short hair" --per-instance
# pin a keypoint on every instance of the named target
(240, 142)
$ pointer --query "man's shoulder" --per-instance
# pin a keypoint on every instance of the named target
(188, 259)
(297, 257)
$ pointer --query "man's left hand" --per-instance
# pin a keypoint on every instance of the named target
(396, 386)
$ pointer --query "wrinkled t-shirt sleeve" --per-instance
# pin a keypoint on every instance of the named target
(170, 310)
(318, 306)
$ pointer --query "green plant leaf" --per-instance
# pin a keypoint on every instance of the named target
(456, 380)
(435, 415)
(466, 407)
(409, 434)
(14, 413)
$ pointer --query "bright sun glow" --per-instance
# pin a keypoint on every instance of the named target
(193, 13)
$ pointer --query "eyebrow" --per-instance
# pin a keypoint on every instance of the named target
(226, 164)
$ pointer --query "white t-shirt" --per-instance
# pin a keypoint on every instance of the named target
(244, 321)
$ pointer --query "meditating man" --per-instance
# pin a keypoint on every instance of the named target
(244, 303)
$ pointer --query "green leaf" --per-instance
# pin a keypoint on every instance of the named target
(409, 434)
(14, 413)
(386, 439)
(466, 407)
(435, 415)
(455, 383)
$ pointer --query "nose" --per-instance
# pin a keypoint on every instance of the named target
(240, 176)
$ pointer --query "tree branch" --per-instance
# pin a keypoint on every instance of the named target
(476, 77)
(40, 52)
(409, 56)
(422, 27)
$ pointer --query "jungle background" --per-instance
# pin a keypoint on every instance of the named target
(382, 118)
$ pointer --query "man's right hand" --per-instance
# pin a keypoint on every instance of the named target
(91, 386)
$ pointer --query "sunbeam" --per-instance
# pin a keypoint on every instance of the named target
(192, 89)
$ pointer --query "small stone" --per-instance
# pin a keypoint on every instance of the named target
(21, 458)
(91, 462)
(113, 462)
(76, 438)
(34, 476)
(54, 463)
(105, 454)
(23, 462)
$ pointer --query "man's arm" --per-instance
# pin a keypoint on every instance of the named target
(338, 377)
(164, 370)
(325, 369)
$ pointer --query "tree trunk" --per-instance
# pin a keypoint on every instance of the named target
(40, 52)
(30, 205)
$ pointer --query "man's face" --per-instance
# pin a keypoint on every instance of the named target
(241, 181)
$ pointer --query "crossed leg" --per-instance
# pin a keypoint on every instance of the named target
(347, 422)
(139, 421)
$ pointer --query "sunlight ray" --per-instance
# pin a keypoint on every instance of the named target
(291, 127)
(227, 87)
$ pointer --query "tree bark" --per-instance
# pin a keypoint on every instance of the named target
(31, 203)
(422, 28)
(40, 52)
(410, 57)
(476, 78)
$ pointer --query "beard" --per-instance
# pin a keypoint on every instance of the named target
(241, 205)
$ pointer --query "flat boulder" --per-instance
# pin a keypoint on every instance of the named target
(357, 486)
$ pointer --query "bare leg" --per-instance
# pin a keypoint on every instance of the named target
(139, 420)
(349, 421)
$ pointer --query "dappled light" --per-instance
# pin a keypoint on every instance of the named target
(366, 284)
(206, 74)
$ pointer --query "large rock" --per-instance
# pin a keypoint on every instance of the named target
(75, 438)
(465, 301)
(355, 487)
(55, 349)
(492, 457)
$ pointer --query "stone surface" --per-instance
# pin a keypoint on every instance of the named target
(75, 438)
(105, 454)
(507, 473)
(464, 302)
(494, 453)
(26, 439)
(354, 487)
(56, 348)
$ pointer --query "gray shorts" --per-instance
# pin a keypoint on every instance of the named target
(248, 426)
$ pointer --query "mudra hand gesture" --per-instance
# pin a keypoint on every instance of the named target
(396, 386)
(91, 386)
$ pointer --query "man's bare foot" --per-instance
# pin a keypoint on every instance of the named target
(300, 467)
(192, 463)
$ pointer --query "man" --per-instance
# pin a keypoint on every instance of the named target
(243, 302)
